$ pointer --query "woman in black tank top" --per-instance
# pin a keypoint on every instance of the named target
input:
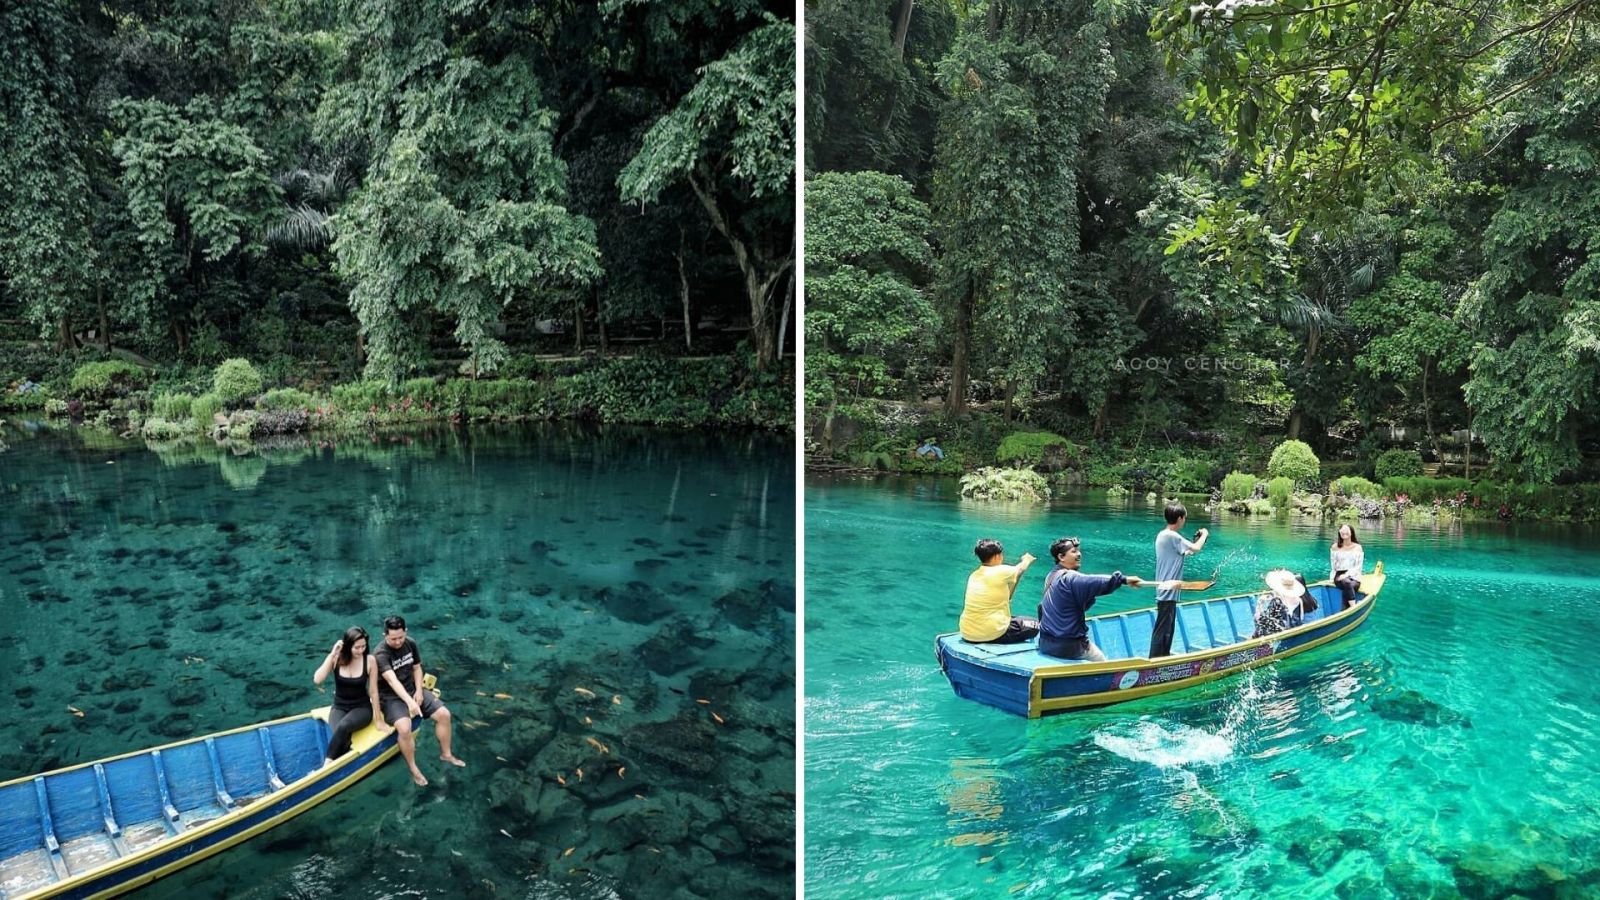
(355, 690)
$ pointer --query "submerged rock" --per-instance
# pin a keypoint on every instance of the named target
(1414, 708)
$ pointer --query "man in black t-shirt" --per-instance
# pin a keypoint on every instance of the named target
(401, 695)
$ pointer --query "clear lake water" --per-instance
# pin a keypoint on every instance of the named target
(175, 593)
(1447, 749)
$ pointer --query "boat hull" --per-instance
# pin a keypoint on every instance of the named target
(1030, 685)
(252, 817)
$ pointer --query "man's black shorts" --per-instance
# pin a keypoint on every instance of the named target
(394, 708)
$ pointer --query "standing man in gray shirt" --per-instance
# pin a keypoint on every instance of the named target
(1171, 548)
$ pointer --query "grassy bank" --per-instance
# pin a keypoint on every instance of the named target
(236, 401)
(1259, 474)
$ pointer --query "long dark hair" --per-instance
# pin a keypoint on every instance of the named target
(351, 635)
(1338, 537)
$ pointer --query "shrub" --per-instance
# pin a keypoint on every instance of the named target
(157, 428)
(203, 408)
(1238, 486)
(1427, 490)
(1184, 473)
(1356, 486)
(1030, 448)
(235, 380)
(280, 421)
(1005, 484)
(1397, 464)
(54, 408)
(1280, 491)
(102, 379)
(286, 398)
(1294, 460)
(1117, 492)
(172, 407)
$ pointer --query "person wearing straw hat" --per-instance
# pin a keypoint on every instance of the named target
(1279, 609)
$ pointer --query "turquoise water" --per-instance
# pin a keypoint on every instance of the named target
(177, 593)
(1447, 749)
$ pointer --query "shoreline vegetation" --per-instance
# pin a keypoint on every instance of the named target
(233, 407)
(1249, 477)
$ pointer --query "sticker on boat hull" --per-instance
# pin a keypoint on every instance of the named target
(1180, 671)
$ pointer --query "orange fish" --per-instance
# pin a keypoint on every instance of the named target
(597, 745)
(75, 711)
(622, 771)
(568, 852)
(702, 702)
(720, 720)
(560, 780)
(502, 696)
(616, 699)
(587, 720)
(580, 773)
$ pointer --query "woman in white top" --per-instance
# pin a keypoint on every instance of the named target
(1346, 560)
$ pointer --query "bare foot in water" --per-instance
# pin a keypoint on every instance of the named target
(454, 761)
(416, 775)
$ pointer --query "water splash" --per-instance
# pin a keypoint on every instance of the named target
(1165, 745)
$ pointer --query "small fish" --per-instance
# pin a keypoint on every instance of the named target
(616, 699)
(568, 852)
(480, 693)
(492, 888)
(580, 773)
(502, 759)
(702, 702)
(75, 711)
(502, 696)
(587, 720)
(654, 850)
(506, 833)
(480, 723)
(585, 693)
(720, 720)
(561, 781)
(597, 745)
(621, 771)
(457, 852)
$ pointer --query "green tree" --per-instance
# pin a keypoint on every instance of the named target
(731, 137)
(1026, 85)
(866, 253)
(463, 210)
(1411, 336)
(46, 254)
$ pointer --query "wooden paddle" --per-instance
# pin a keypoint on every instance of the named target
(1178, 585)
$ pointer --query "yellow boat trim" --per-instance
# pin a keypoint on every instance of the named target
(1371, 585)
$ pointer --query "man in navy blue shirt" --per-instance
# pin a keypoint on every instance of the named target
(1068, 594)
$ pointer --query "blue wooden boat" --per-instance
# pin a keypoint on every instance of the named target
(1212, 640)
(101, 828)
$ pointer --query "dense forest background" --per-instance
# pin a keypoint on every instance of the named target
(384, 190)
(1202, 228)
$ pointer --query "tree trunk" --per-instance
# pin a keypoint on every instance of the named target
(1469, 444)
(1011, 396)
(1427, 411)
(783, 319)
(760, 276)
(956, 404)
(65, 339)
(577, 329)
(902, 26)
(1295, 419)
(180, 336)
(827, 427)
(1102, 419)
(105, 320)
(683, 290)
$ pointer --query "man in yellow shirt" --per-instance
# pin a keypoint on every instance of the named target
(987, 617)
